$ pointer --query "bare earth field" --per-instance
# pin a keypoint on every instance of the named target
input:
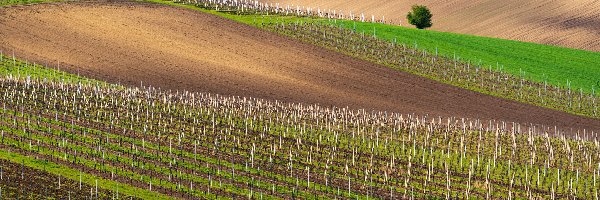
(179, 49)
(567, 23)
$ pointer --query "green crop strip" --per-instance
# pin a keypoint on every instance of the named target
(74, 175)
(13, 67)
(44, 184)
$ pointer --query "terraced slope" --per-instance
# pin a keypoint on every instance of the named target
(567, 23)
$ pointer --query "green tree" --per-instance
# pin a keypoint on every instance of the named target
(420, 16)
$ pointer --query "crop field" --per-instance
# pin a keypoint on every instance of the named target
(474, 76)
(448, 70)
(193, 145)
(556, 66)
(207, 58)
(183, 104)
(536, 62)
(561, 22)
(20, 181)
(13, 67)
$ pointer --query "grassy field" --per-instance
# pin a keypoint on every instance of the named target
(536, 62)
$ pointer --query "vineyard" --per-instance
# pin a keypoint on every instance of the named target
(12, 67)
(194, 145)
(448, 70)
(63, 136)
(19, 181)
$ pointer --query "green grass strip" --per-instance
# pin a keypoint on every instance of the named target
(13, 67)
(74, 175)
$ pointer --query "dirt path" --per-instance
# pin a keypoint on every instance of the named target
(179, 49)
(567, 23)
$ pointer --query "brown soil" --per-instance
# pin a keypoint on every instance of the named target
(19, 181)
(567, 23)
(179, 49)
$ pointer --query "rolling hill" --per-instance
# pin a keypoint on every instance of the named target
(573, 24)
(276, 110)
(179, 49)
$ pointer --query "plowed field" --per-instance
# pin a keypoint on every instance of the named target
(567, 23)
(179, 49)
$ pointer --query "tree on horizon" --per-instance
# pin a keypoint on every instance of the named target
(420, 16)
